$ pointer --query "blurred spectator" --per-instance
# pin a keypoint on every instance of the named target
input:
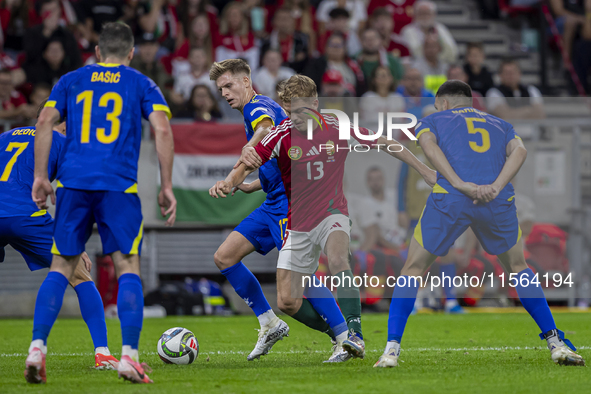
(188, 10)
(374, 54)
(292, 44)
(417, 98)
(401, 11)
(332, 85)
(16, 16)
(50, 67)
(356, 9)
(572, 18)
(199, 75)
(265, 79)
(39, 94)
(430, 64)
(201, 106)
(160, 18)
(146, 62)
(382, 21)
(199, 36)
(304, 15)
(511, 99)
(479, 78)
(424, 24)
(37, 37)
(8, 63)
(339, 23)
(14, 104)
(93, 14)
(381, 97)
(257, 15)
(335, 58)
(236, 40)
(456, 71)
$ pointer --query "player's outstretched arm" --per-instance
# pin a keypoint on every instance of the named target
(165, 151)
(516, 155)
(409, 158)
(247, 157)
(43, 139)
(428, 142)
(248, 187)
(234, 178)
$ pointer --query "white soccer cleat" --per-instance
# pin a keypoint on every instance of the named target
(35, 367)
(355, 346)
(562, 355)
(269, 336)
(387, 360)
(339, 354)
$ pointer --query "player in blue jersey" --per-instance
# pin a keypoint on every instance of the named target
(263, 229)
(476, 155)
(29, 230)
(97, 183)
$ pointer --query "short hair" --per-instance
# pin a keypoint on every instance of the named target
(507, 61)
(298, 86)
(454, 88)
(339, 13)
(474, 45)
(234, 66)
(116, 40)
(381, 11)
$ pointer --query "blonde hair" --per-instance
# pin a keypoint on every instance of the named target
(298, 86)
(234, 66)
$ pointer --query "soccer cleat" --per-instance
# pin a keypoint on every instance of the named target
(354, 346)
(35, 367)
(339, 354)
(269, 336)
(562, 355)
(103, 362)
(133, 371)
(387, 360)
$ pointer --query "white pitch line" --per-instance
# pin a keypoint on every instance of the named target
(239, 352)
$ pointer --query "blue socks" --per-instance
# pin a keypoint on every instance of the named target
(93, 313)
(247, 287)
(403, 300)
(534, 301)
(48, 304)
(449, 270)
(324, 303)
(130, 308)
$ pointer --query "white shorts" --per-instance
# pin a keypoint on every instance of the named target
(301, 250)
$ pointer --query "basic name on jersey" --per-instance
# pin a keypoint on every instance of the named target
(108, 77)
(24, 132)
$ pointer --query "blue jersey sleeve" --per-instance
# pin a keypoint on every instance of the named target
(425, 125)
(254, 112)
(510, 134)
(57, 98)
(152, 99)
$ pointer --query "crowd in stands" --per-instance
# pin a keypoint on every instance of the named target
(391, 53)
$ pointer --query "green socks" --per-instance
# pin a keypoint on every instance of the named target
(350, 301)
(307, 315)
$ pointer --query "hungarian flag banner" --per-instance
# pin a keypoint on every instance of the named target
(205, 153)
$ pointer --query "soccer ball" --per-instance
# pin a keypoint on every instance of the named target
(178, 346)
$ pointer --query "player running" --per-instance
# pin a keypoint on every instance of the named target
(29, 230)
(263, 229)
(318, 219)
(476, 155)
(97, 182)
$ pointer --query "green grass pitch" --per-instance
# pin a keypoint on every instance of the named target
(472, 353)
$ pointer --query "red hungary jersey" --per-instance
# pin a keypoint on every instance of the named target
(312, 170)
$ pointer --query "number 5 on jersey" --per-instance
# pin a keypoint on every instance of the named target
(483, 133)
(113, 116)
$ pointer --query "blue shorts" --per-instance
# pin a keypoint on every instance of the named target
(30, 236)
(265, 226)
(447, 216)
(118, 216)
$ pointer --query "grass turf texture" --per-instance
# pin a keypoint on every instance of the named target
(467, 353)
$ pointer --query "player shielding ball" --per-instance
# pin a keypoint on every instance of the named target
(97, 183)
(318, 213)
(476, 155)
(29, 230)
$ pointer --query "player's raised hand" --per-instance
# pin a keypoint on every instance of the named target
(167, 203)
(41, 190)
(486, 193)
(249, 157)
(220, 189)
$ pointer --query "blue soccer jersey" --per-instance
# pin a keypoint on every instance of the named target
(473, 142)
(17, 167)
(258, 108)
(103, 105)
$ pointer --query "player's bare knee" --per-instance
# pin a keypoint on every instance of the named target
(223, 260)
(289, 305)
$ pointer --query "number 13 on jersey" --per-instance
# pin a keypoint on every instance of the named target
(86, 98)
